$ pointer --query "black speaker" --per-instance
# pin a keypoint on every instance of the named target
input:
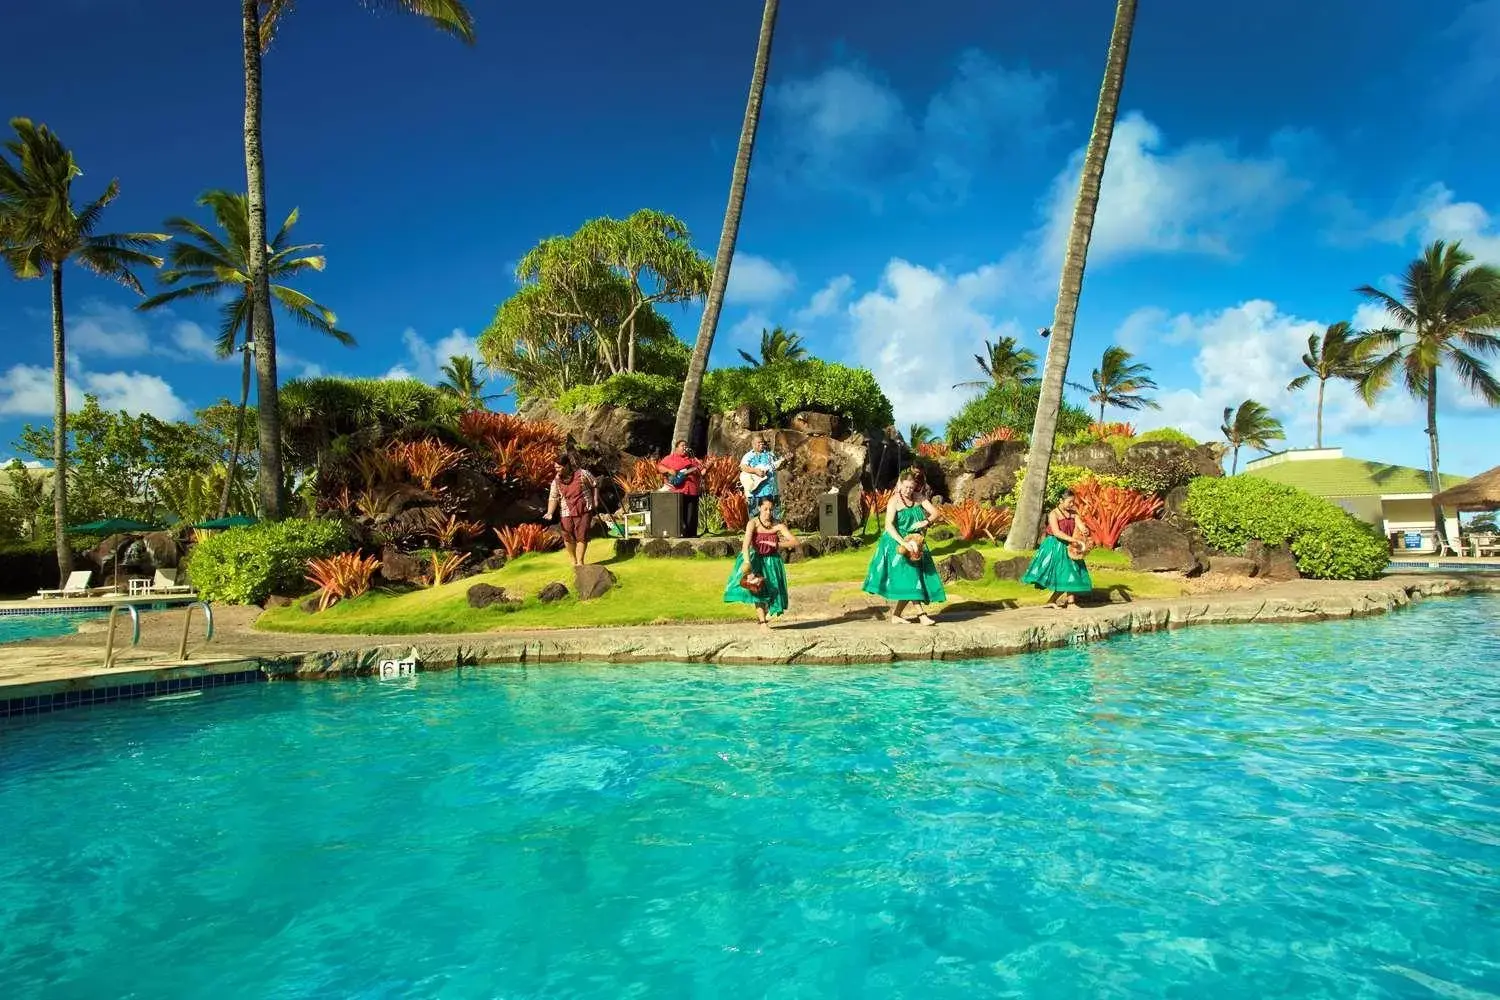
(666, 515)
(834, 517)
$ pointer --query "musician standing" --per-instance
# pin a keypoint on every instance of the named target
(684, 475)
(758, 473)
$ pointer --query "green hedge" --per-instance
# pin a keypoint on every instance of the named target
(776, 391)
(1012, 406)
(247, 565)
(1328, 542)
(654, 394)
(1171, 434)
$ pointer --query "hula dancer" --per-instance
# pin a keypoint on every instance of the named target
(759, 574)
(684, 475)
(902, 569)
(575, 496)
(1058, 565)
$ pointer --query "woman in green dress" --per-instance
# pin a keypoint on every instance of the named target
(1053, 567)
(893, 574)
(759, 574)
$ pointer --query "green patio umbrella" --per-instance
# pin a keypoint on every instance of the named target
(112, 526)
(233, 521)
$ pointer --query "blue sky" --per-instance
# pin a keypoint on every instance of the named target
(907, 202)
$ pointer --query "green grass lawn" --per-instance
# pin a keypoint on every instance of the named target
(649, 591)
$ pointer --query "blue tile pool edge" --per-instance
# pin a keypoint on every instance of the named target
(67, 696)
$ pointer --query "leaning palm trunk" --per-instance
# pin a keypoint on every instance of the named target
(60, 429)
(1322, 386)
(1435, 478)
(262, 332)
(239, 428)
(739, 180)
(1028, 517)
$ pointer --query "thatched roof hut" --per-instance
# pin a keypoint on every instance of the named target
(1479, 493)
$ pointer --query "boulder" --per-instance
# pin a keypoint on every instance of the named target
(718, 548)
(966, 564)
(683, 550)
(310, 604)
(836, 543)
(1099, 457)
(482, 595)
(163, 549)
(814, 546)
(1157, 547)
(1273, 562)
(656, 548)
(1232, 565)
(626, 548)
(592, 581)
(279, 601)
(826, 424)
(554, 591)
(608, 431)
(988, 472)
(401, 567)
(816, 462)
(495, 560)
(1204, 460)
(1011, 569)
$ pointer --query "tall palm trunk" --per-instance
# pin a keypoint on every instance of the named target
(1322, 385)
(1434, 476)
(1234, 464)
(1028, 517)
(60, 430)
(239, 425)
(262, 331)
(1101, 413)
(738, 181)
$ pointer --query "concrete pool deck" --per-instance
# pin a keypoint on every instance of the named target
(74, 663)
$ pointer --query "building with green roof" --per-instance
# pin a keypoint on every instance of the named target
(1397, 499)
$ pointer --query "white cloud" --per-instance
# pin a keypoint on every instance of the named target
(754, 279)
(1196, 198)
(26, 391)
(425, 359)
(99, 329)
(827, 300)
(919, 330)
(1436, 214)
(194, 342)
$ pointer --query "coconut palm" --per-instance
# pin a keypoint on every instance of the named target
(40, 231)
(1119, 381)
(1337, 354)
(461, 380)
(1026, 525)
(1447, 316)
(739, 180)
(777, 345)
(918, 435)
(204, 266)
(1252, 425)
(259, 21)
(1004, 362)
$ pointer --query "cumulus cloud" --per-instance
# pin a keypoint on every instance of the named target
(1435, 214)
(26, 391)
(194, 343)
(828, 300)
(755, 279)
(425, 359)
(98, 329)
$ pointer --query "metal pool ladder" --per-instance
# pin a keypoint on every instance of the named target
(135, 632)
(187, 621)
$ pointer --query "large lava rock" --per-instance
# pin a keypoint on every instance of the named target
(967, 564)
(1158, 547)
(401, 567)
(609, 431)
(817, 460)
(988, 472)
(1099, 457)
(591, 581)
(1273, 562)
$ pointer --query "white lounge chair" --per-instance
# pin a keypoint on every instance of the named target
(77, 585)
(166, 583)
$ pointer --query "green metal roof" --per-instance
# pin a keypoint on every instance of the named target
(1350, 477)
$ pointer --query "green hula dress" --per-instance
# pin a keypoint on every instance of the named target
(1052, 569)
(897, 578)
(765, 560)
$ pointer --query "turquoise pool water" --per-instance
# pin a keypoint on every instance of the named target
(1299, 811)
(14, 628)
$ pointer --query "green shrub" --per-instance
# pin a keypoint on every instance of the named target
(1166, 434)
(776, 391)
(1160, 476)
(654, 394)
(247, 565)
(1012, 406)
(1059, 478)
(1328, 542)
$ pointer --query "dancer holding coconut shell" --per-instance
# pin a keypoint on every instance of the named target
(902, 570)
(759, 574)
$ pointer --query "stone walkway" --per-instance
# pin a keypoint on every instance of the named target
(75, 661)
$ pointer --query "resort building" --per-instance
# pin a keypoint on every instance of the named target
(1396, 499)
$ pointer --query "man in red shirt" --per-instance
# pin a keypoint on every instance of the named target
(684, 475)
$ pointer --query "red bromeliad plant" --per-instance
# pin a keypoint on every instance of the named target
(445, 565)
(997, 435)
(874, 502)
(341, 577)
(932, 449)
(491, 430)
(641, 477)
(1103, 432)
(973, 520)
(734, 509)
(524, 538)
(1108, 509)
(448, 531)
(721, 475)
(425, 459)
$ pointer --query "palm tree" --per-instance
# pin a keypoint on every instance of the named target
(918, 435)
(777, 345)
(1003, 362)
(1251, 424)
(1119, 381)
(259, 21)
(207, 267)
(461, 379)
(40, 231)
(1447, 316)
(739, 179)
(1338, 354)
(1026, 525)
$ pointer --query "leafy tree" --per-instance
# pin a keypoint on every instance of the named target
(40, 231)
(739, 180)
(1446, 317)
(1121, 382)
(1251, 424)
(918, 435)
(24, 500)
(777, 345)
(461, 380)
(1338, 354)
(259, 21)
(1010, 405)
(1003, 362)
(1026, 526)
(203, 266)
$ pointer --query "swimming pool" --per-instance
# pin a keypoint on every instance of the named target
(1287, 811)
(14, 628)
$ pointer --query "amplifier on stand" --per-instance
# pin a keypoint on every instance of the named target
(834, 517)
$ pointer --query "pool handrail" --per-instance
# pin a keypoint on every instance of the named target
(109, 639)
(187, 621)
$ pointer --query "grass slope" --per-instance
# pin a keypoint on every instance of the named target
(650, 591)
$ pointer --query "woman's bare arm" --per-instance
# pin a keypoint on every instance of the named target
(788, 540)
(749, 534)
(890, 522)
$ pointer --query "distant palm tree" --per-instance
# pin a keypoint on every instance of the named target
(461, 379)
(1447, 316)
(207, 267)
(777, 345)
(1338, 354)
(1252, 425)
(918, 435)
(259, 20)
(1118, 381)
(40, 231)
(1004, 362)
